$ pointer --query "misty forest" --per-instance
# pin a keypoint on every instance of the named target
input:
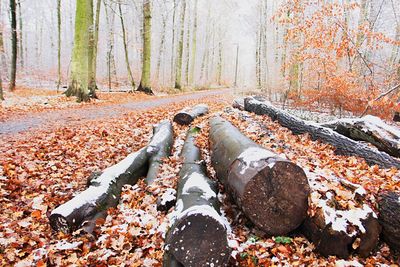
(191, 133)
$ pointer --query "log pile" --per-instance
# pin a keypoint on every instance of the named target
(342, 144)
(187, 115)
(369, 129)
(267, 188)
(198, 236)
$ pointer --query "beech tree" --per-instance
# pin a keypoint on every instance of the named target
(178, 68)
(145, 85)
(14, 45)
(82, 81)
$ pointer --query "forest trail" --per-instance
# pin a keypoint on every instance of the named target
(67, 116)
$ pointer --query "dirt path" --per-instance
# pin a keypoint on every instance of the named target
(48, 118)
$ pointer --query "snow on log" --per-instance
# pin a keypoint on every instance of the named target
(370, 129)
(104, 192)
(271, 191)
(187, 115)
(389, 217)
(160, 145)
(343, 145)
(238, 103)
(338, 222)
(198, 236)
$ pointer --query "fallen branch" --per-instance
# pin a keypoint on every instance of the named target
(267, 188)
(187, 116)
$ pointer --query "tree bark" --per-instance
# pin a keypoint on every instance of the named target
(128, 66)
(161, 145)
(343, 145)
(369, 129)
(104, 192)
(14, 45)
(389, 218)
(178, 69)
(1, 87)
(20, 39)
(187, 115)
(58, 44)
(194, 45)
(198, 236)
(267, 188)
(145, 84)
(82, 54)
(96, 41)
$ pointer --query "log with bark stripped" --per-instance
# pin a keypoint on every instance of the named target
(370, 129)
(187, 115)
(104, 192)
(198, 236)
(342, 144)
(389, 217)
(161, 145)
(271, 191)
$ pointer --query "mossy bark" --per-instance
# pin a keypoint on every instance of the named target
(145, 83)
(82, 84)
(178, 70)
(14, 41)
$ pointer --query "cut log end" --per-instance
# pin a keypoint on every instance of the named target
(276, 197)
(183, 118)
(60, 223)
(209, 250)
(389, 217)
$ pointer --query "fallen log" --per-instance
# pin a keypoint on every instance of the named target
(187, 115)
(198, 236)
(104, 192)
(342, 144)
(340, 231)
(389, 217)
(160, 145)
(271, 191)
(370, 129)
(238, 103)
(170, 261)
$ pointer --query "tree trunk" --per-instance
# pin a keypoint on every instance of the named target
(20, 39)
(111, 70)
(198, 236)
(178, 70)
(1, 86)
(219, 69)
(187, 64)
(96, 41)
(267, 188)
(173, 40)
(145, 83)
(369, 129)
(82, 54)
(58, 44)
(342, 144)
(162, 47)
(128, 66)
(14, 44)
(161, 145)
(389, 218)
(2, 52)
(104, 192)
(194, 45)
(187, 115)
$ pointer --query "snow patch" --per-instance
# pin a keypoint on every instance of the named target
(344, 263)
(196, 180)
(169, 195)
(252, 155)
(64, 245)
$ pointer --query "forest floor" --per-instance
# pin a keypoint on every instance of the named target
(42, 167)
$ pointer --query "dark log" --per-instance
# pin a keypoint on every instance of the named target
(338, 233)
(198, 236)
(104, 192)
(396, 117)
(238, 103)
(170, 261)
(369, 129)
(271, 191)
(187, 115)
(342, 144)
(389, 217)
(160, 145)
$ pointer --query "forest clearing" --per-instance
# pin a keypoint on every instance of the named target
(199, 133)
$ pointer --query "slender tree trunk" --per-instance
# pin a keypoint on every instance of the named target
(173, 40)
(162, 48)
(178, 70)
(21, 46)
(96, 39)
(1, 87)
(194, 45)
(110, 43)
(187, 47)
(14, 43)
(3, 59)
(59, 44)
(145, 83)
(128, 66)
(82, 54)
(220, 63)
